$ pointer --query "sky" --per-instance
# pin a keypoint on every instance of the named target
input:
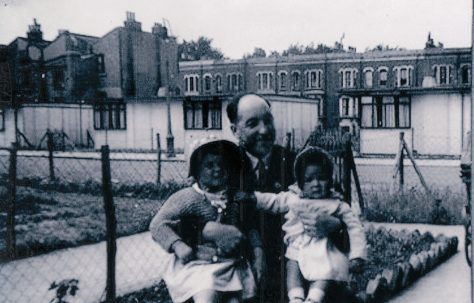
(237, 27)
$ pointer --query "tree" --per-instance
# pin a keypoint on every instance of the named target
(197, 50)
(384, 47)
(311, 49)
(258, 52)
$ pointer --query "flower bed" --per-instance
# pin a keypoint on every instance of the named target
(396, 259)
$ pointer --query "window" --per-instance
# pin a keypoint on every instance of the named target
(368, 77)
(344, 107)
(218, 83)
(295, 81)
(348, 107)
(385, 112)
(202, 114)
(313, 79)
(404, 76)
(465, 74)
(264, 81)
(2, 119)
(58, 79)
(191, 84)
(110, 116)
(383, 76)
(348, 77)
(207, 83)
(100, 64)
(443, 74)
(234, 82)
(283, 79)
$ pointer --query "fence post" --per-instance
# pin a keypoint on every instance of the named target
(158, 151)
(110, 223)
(400, 165)
(11, 237)
(50, 145)
(347, 170)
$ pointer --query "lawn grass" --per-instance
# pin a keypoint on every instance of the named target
(46, 221)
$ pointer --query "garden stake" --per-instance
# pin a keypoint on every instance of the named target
(110, 224)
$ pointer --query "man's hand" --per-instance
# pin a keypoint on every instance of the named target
(183, 251)
(356, 265)
(226, 237)
(317, 222)
(205, 252)
(258, 264)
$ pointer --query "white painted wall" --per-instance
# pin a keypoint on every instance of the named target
(438, 124)
(73, 119)
(297, 117)
(144, 121)
(382, 141)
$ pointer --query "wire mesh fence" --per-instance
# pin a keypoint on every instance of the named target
(59, 204)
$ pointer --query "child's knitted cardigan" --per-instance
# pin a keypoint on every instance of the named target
(186, 212)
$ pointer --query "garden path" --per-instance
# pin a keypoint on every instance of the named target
(20, 281)
(449, 282)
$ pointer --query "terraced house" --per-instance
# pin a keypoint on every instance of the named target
(374, 95)
(128, 85)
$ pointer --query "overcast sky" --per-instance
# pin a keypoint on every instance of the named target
(236, 27)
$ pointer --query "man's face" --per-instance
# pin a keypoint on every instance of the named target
(254, 126)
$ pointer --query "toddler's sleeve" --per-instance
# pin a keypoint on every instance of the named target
(272, 203)
(163, 225)
(355, 230)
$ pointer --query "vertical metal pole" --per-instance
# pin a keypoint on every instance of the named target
(346, 166)
(158, 164)
(11, 238)
(110, 222)
(400, 166)
(50, 143)
(169, 136)
(472, 141)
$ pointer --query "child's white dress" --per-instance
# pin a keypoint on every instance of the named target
(318, 258)
(185, 280)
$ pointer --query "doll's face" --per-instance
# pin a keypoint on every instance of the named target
(212, 173)
(315, 183)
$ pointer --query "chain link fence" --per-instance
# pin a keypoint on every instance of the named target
(60, 217)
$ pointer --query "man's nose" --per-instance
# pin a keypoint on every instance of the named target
(263, 128)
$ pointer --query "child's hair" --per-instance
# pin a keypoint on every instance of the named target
(313, 156)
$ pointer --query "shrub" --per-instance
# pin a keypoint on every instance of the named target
(414, 206)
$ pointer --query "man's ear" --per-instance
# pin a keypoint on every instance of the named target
(233, 128)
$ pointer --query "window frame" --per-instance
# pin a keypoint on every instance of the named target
(2, 119)
(218, 83)
(465, 67)
(108, 113)
(208, 108)
(409, 75)
(296, 87)
(366, 71)
(283, 80)
(265, 81)
(191, 84)
(379, 109)
(448, 78)
(348, 77)
(207, 80)
(382, 70)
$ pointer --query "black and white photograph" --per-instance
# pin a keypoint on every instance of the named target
(253, 151)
